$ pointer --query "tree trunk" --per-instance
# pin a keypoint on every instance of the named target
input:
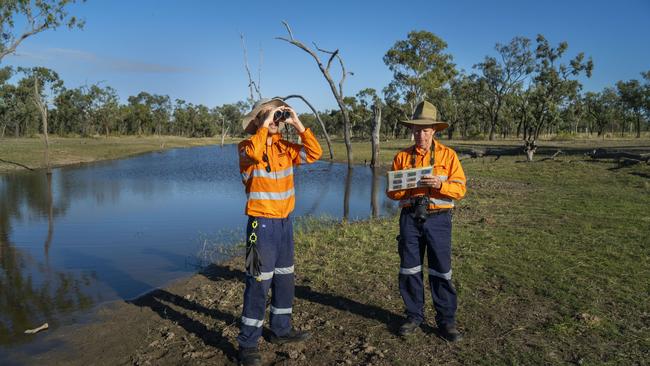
(50, 219)
(376, 110)
(374, 192)
(529, 148)
(43, 109)
(346, 195)
(493, 124)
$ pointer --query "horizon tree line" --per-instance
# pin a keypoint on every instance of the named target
(522, 91)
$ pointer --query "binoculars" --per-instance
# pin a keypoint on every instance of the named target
(281, 115)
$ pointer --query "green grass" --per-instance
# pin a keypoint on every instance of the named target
(362, 152)
(551, 262)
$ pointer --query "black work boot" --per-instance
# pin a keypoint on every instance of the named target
(249, 356)
(291, 337)
(450, 333)
(408, 328)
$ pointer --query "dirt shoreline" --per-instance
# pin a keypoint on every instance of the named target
(195, 321)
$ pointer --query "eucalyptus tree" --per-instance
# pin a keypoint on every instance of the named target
(230, 115)
(554, 84)
(37, 15)
(602, 108)
(420, 67)
(72, 111)
(633, 96)
(501, 75)
(105, 109)
(370, 101)
(141, 118)
(393, 110)
(7, 92)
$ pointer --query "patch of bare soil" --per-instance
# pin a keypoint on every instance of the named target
(195, 322)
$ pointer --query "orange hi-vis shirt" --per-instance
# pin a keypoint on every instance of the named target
(271, 193)
(446, 166)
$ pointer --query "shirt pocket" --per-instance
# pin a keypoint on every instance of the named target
(284, 160)
(440, 169)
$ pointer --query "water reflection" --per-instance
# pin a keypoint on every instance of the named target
(120, 228)
(32, 292)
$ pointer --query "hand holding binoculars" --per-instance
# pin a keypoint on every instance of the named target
(280, 115)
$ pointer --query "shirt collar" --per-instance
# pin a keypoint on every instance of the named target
(421, 151)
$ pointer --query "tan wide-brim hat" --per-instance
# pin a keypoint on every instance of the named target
(246, 124)
(426, 114)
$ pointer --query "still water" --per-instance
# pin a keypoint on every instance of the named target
(116, 229)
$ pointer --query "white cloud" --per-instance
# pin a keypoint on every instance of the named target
(106, 63)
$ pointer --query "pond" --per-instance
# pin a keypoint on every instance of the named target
(117, 229)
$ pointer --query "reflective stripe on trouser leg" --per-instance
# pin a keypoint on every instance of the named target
(411, 252)
(257, 289)
(282, 286)
(437, 231)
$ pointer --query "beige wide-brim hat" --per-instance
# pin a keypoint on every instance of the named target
(246, 124)
(426, 114)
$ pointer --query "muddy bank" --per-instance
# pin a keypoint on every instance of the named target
(195, 322)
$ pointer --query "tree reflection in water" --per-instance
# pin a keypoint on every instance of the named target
(31, 293)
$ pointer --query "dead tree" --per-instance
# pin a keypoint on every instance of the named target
(376, 127)
(42, 107)
(530, 147)
(224, 130)
(252, 85)
(327, 136)
(337, 92)
(481, 153)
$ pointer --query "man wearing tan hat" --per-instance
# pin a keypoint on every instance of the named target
(266, 163)
(425, 223)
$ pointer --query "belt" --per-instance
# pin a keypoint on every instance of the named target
(429, 212)
(438, 211)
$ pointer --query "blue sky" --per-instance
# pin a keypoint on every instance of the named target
(191, 49)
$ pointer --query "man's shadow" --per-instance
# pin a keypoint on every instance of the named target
(155, 300)
(212, 337)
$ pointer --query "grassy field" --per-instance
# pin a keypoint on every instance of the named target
(551, 263)
(65, 151)
(362, 152)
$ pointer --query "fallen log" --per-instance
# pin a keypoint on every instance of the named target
(18, 164)
(618, 155)
(480, 153)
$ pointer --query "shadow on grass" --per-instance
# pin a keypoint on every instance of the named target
(157, 301)
(372, 312)
(642, 175)
(211, 337)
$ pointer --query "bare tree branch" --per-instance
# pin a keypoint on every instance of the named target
(338, 94)
(327, 136)
(286, 25)
(252, 86)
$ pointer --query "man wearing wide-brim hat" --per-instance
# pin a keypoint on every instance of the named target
(266, 163)
(425, 223)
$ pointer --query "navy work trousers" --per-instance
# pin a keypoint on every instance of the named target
(433, 236)
(274, 240)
